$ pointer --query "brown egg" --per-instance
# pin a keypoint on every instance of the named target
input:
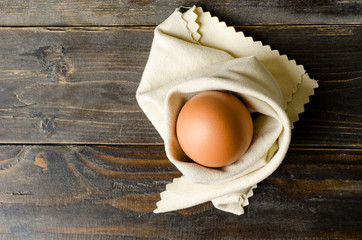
(214, 128)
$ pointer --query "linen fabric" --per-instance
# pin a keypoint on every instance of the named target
(194, 52)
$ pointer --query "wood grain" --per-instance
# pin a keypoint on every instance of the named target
(145, 12)
(69, 71)
(315, 193)
(77, 85)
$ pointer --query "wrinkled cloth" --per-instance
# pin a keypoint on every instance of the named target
(194, 52)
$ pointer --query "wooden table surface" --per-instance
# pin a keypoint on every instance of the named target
(79, 159)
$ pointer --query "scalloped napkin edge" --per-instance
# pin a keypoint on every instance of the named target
(201, 28)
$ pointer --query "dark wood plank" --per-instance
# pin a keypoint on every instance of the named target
(68, 74)
(73, 86)
(104, 192)
(77, 85)
(143, 12)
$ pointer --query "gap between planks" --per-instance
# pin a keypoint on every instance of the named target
(101, 28)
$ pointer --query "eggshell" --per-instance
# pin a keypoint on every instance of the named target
(214, 128)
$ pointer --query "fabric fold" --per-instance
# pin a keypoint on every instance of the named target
(193, 52)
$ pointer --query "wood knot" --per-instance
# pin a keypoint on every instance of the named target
(48, 125)
(63, 70)
(41, 162)
(54, 62)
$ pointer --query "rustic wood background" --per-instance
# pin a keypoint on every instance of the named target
(79, 159)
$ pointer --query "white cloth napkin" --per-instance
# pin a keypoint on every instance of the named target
(193, 52)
